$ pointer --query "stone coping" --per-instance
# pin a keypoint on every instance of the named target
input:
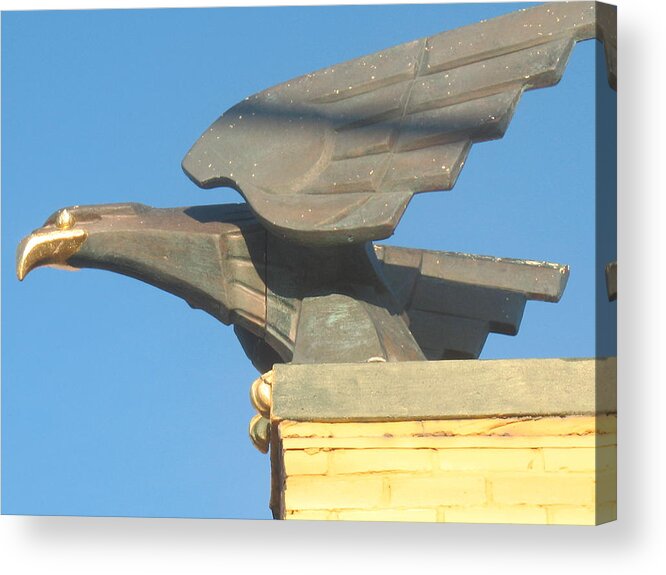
(444, 389)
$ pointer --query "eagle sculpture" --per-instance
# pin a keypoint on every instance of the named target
(327, 163)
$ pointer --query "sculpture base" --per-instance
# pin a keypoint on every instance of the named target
(478, 467)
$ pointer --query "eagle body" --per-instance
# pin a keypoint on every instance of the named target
(288, 302)
(327, 163)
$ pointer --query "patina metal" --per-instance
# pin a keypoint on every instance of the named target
(328, 163)
(302, 304)
(336, 155)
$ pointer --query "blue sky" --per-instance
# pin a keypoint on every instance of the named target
(117, 398)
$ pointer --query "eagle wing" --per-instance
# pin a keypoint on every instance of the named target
(453, 300)
(336, 155)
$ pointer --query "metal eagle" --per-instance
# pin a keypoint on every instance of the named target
(327, 163)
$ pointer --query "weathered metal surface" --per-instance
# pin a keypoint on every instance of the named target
(327, 162)
(542, 281)
(444, 389)
(606, 16)
(335, 156)
(288, 302)
(455, 300)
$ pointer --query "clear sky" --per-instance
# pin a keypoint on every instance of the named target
(117, 398)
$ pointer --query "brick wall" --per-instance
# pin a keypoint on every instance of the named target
(558, 470)
(487, 441)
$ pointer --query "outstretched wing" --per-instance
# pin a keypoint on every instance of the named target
(336, 155)
(453, 300)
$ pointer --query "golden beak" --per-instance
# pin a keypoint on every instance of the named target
(52, 247)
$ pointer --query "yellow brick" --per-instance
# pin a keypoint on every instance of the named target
(580, 459)
(489, 458)
(371, 460)
(319, 492)
(436, 490)
(548, 426)
(522, 426)
(570, 459)
(301, 462)
(543, 488)
(571, 515)
(482, 426)
(508, 514)
(310, 514)
(366, 429)
(607, 424)
(388, 515)
(446, 442)
(606, 459)
(606, 490)
(606, 513)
